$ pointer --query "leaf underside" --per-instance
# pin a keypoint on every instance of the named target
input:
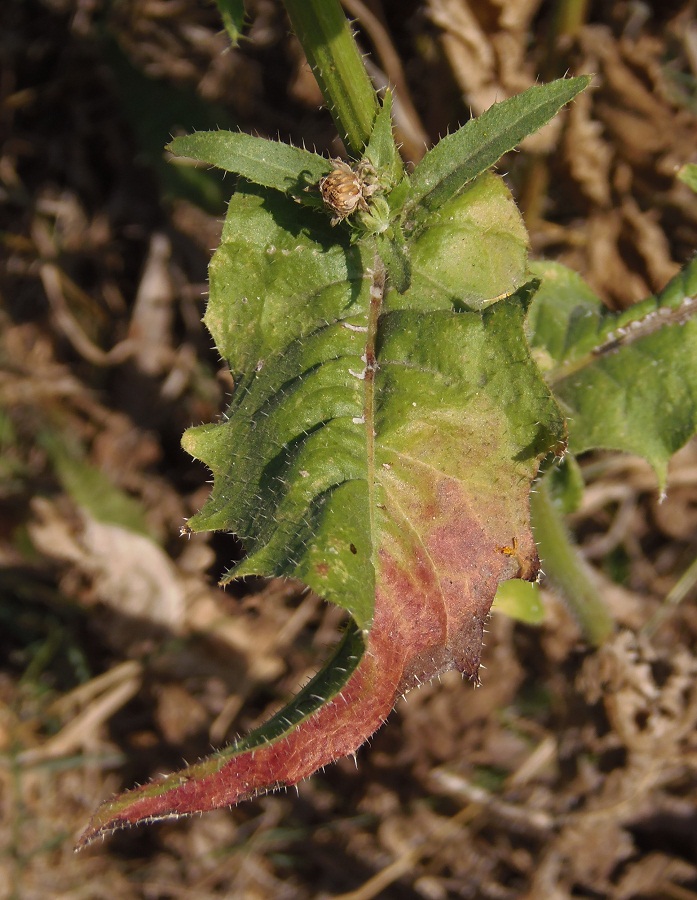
(377, 448)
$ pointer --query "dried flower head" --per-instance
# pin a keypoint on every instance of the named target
(345, 189)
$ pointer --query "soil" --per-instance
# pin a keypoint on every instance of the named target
(572, 772)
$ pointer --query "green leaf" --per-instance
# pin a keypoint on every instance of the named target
(688, 175)
(279, 273)
(270, 164)
(378, 449)
(459, 158)
(232, 14)
(628, 381)
(91, 488)
(381, 149)
(474, 250)
(520, 600)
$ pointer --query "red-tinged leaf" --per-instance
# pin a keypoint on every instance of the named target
(380, 447)
(456, 564)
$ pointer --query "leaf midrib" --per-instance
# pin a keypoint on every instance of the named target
(376, 299)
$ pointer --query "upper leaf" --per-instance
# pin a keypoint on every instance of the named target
(268, 163)
(460, 157)
(381, 149)
(628, 380)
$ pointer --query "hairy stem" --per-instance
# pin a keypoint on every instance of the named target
(565, 568)
(325, 35)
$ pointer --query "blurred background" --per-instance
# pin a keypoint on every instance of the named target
(572, 772)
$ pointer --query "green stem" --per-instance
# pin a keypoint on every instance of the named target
(565, 568)
(680, 590)
(568, 17)
(326, 38)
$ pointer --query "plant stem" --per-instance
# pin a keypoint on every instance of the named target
(680, 590)
(326, 38)
(565, 568)
(568, 17)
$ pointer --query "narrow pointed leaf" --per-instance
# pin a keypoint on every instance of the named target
(628, 380)
(460, 157)
(377, 448)
(381, 149)
(270, 164)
